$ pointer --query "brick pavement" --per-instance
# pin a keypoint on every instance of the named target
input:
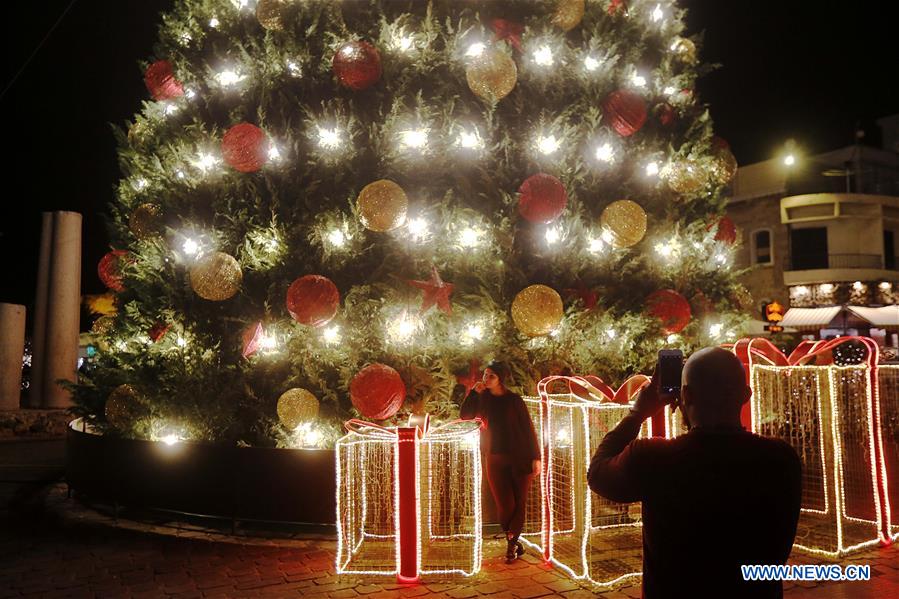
(77, 552)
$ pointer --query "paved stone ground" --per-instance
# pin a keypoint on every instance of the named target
(51, 546)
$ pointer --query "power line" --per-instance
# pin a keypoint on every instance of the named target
(36, 49)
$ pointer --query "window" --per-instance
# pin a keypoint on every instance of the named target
(761, 247)
(809, 248)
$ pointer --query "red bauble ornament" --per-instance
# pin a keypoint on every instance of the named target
(313, 300)
(541, 198)
(727, 231)
(158, 331)
(377, 391)
(110, 270)
(671, 308)
(357, 65)
(245, 147)
(161, 82)
(624, 111)
(665, 113)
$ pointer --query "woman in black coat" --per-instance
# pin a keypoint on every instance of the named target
(513, 455)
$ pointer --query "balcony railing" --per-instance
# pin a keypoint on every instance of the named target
(814, 261)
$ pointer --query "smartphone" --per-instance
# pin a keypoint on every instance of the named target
(669, 369)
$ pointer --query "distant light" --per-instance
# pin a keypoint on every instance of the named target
(591, 64)
(544, 56)
(789, 160)
(885, 286)
(548, 144)
(475, 50)
(858, 286)
(825, 288)
(605, 153)
(801, 290)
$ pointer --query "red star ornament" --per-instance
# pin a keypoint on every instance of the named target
(435, 292)
(471, 378)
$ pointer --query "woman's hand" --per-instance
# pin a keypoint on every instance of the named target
(479, 387)
(536, 466)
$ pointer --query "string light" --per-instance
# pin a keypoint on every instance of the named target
(274, 154)
(669, 90)
(669, 249)
(475, 50)
(605, 153)
(885, 286)
(715, 329)
(206, 162)
(190, 94)
(473, 332)
(611, 333)
(469, 237)
(402, 42)
(789, 160)
(548, 144)
(401, 329)
(240, 4)
(337, 238)
(229, 78)
(595, 245)
(652, 169)
(181, 342)
(329, 139)
(657, 14)
(470, 140)
(858, 286)
(190, 247)
(139, 184)
(638, 80)
(672, 339)
(214, 23)
(331, 334)
(543, 56)
(418, 228)
(591, 63)
(414, 138)
(553, 235)
(294, 69)
(179, 173)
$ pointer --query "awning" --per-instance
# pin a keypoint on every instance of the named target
(810, 317)
(884, 316)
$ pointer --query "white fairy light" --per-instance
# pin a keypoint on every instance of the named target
(858, 286)
(139, 184)
(475, 50)
(336, 237)
(715, 329)
(657, 14)
(179, 173)
(596, 245)
(672, 338)
(418, 228)
(190, 247)
(402, 329)
(553, 235)
(652, 169)
(591, 64)
(885, 286)
(331, 334)
(563, 436)
(414, 138)
(274, 154)
(638, 80)
(214, 23)
(801, 290)
(607, 236)
(611, 333)
(825, 287)
(268, 342)
(170, 108)
(185, 38)
(470, 140)
(294, 69)
(469, 237)
(668, 249)
(721, 258)
(402, 41)
(789, 160)
(206, 161)
(190, 94)
(330, 139)
(170, 439)
(605, 152)
(181, 342)
(474, 332)
(229, 78)
(669, 90)
(240, 4)
(543, 56)
(548, 144)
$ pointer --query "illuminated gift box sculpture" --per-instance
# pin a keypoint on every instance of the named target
(888, 385)
(409, 500)
(831, 415)
(587, 536)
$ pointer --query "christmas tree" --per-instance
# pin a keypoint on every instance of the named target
(340, 208)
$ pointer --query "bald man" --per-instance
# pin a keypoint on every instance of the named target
(713, 499)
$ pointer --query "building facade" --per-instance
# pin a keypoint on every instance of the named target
(823, 233)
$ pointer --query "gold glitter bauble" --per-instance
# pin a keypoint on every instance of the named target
(146, 221)
(122, 406)
(270, 14)
(724, 165)
(382, 206)
(492, 75)
(537, 310)
(684, 177)
(103, 325)
(568, 14)
(216, 276)
(685, 50)
(623, 223)
(296, 406)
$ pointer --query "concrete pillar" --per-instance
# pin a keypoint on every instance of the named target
(12, 346)
(39, 324)
(56, 338)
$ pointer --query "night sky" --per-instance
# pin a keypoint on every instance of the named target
(805, 70)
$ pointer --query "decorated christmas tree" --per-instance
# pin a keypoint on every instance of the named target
(333, 208)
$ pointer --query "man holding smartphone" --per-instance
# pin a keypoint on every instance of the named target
(713, 499)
